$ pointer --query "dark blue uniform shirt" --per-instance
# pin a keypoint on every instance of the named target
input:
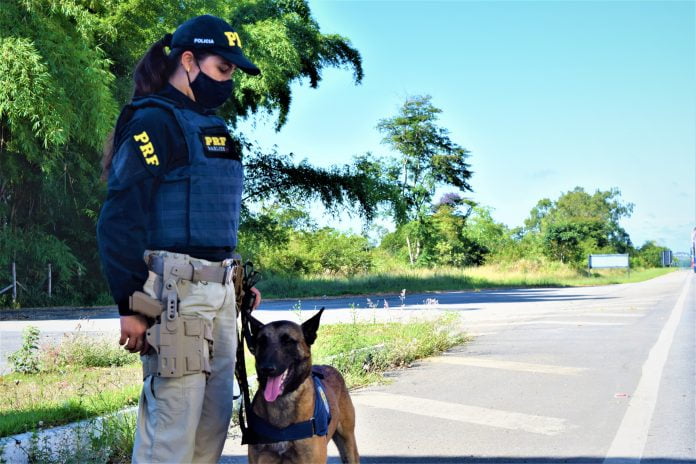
(122, 225)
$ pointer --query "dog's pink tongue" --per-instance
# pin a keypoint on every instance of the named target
(273, 388)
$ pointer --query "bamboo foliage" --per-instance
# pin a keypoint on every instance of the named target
(65, 70)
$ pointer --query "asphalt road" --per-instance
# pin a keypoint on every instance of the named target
(600, 374)
(594, 374)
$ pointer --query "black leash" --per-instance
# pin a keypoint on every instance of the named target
(254, 429)
(250, 279)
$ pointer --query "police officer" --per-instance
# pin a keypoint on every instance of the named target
(166, 234)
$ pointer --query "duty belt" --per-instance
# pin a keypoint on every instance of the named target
(194, 270)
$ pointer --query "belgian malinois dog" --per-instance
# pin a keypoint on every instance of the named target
(286, 394)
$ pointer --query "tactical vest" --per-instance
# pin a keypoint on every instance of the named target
(197, 204)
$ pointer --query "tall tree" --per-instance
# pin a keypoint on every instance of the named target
(451, 242)
(280, 36)
(55, 108)
(579, 223)
(429, 159)
(649, 255)
(65, 69)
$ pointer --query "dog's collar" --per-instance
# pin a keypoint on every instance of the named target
(262, 432)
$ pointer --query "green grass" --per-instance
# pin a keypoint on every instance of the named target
(620, 277)
(105, 440)
(77, 349)
(31, 401)
(78, 378)
(362, 351)
(425, 280)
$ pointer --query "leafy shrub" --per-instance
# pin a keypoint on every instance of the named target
(106, 440)
(74, 350)
(26, 360)
(324, 251)
(649, 255)
(85, 351)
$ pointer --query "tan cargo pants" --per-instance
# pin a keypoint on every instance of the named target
(182, 420)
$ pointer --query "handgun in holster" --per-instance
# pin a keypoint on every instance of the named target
(142, 303)
(183, 344)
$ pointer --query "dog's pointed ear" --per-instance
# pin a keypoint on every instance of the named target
(310, 327)
(255, 327)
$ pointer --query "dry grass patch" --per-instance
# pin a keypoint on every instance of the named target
(522, 273)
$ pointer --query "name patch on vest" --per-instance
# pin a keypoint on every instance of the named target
(217, 143)
(146, 148)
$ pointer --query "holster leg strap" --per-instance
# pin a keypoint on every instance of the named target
(183, 346)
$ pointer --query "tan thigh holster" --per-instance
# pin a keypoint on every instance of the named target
(181, 344)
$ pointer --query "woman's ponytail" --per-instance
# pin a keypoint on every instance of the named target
(154, 69)
(151, 74)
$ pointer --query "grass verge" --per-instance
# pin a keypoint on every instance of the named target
(107, 439)
(364, 351)
(33, 401)
(442, 279)
(361, 350)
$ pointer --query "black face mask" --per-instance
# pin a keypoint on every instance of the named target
(208, 92)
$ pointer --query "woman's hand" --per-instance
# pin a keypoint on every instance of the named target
(257, 298)
(133, 334)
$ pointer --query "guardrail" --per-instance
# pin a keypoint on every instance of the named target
(15, 283)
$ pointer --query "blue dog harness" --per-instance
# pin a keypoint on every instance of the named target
(263, 432)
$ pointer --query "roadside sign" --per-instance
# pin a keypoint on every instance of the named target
(608, 261)
(666, 258)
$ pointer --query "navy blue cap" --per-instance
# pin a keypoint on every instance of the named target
(213, 35)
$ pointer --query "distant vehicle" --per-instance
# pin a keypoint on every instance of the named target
(693, 249)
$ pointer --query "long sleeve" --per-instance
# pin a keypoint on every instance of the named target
(123, 221)
(121, 233)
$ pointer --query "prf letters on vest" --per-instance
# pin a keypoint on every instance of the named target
(147, 148)
(216, 143)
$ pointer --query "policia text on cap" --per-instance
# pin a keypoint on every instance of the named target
(167, 234)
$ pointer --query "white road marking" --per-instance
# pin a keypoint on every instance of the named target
(629, 441)
(508, 365)
(538, 322)
(462, 413)
(600, 314)
(577, 323)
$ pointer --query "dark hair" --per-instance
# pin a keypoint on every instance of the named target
(150, 76)
(153, 70)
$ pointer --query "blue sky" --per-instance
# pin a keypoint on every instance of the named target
(547, 96)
